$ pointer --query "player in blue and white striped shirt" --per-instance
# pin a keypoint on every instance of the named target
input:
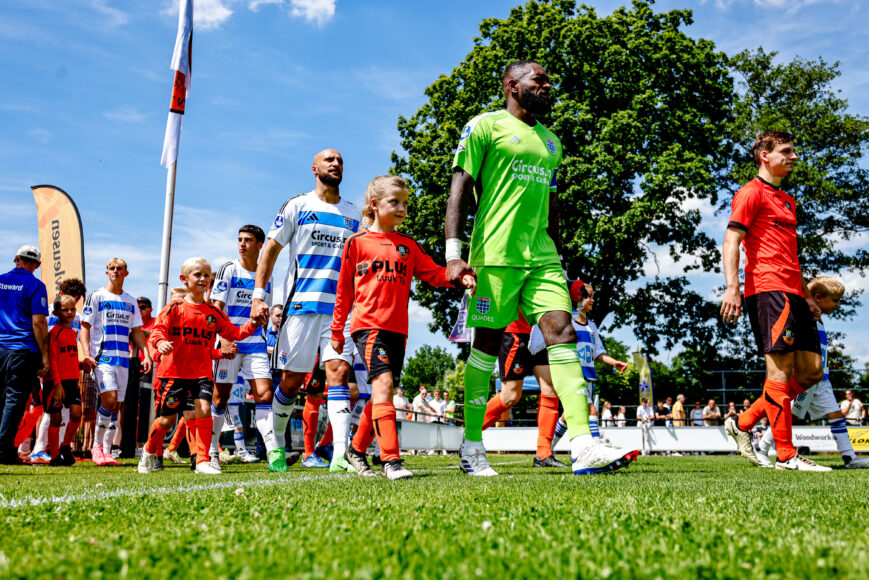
(313, 226)
(110, 319)
(232, 293)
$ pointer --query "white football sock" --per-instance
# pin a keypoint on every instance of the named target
(218, 417)
(282, 406)
(765, 442)
(42, 433)
(338, 407)
(104, 417)
(265, 425)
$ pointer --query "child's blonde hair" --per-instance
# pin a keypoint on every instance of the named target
(182, 290)
(190, 263)
(824, 286)
(116, 262)
(378, 188)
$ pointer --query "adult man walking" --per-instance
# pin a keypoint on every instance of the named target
(778, 303)
(506, 162)
(23, 343)
(314, 225)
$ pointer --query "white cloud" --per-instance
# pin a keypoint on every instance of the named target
(255, 4)
(208, 14)
(114, 16)
(417, 313)
(125, 115)
(316, 11)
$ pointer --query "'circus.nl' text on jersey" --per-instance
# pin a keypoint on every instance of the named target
(234, 287)
(314, 232)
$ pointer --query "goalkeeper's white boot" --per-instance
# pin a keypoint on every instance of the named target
(596, 457)
(472, 456)
(800, 463)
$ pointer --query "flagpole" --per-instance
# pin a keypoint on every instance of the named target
(168, 210)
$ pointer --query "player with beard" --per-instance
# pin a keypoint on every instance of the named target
(506, 162)
(314, 226)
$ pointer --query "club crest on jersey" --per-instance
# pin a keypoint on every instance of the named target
(482, 305)
(465, 133)
(87, 311)
(550, 145)
(403, 251)
(172, 402)
(788, 336)
(381, 355)
(220, 286)
(279, 221)
(517, 368)
(222, 374)
(211, 320)
(350, 224)
(283, 358)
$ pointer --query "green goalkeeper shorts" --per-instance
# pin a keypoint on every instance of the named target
(503, 291)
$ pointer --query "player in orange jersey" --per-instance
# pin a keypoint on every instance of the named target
(184, 335)
(378, 267)
(780, 308)
(61, 388)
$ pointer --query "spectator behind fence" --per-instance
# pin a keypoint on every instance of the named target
(731, 411)
(23, 344)
(402, 404)
(711, 414)
(745, 405)
(606, 416)
(662, 414)
(622, 417)
(697, 415)
(678, 411)
(645, 414)
(668, 404)
(439, 406)
(421, 406)
(449, 409)
(853, 409)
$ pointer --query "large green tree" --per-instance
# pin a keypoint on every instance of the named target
(427, 366)
(639, 107)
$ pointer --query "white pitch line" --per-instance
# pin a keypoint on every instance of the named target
(181, 488)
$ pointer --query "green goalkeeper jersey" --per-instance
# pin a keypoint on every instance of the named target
(514, 168)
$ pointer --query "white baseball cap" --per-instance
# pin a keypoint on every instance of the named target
(29, 252)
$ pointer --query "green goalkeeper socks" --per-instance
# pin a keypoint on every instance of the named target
(478, 372)
(570, 386)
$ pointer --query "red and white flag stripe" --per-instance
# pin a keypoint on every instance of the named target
(182, 59)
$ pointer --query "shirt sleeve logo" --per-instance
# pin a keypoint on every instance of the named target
(466, 132)
(87, 311)
(220, 286)
(279, 221)
(550, 145)
(44, 303)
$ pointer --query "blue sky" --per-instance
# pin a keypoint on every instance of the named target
(86, 89)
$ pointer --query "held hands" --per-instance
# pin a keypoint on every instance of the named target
(460, 273)
(731, 306)
(89, 363)
(338, 345)
(259, 312)
(228, 350)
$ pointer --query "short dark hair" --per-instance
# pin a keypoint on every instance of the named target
(72, 287)
(515, 67)
(255, 231)
(767, 141)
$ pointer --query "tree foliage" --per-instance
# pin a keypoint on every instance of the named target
(427, 366)
(638, 108)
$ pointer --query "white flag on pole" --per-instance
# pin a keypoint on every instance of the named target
(182, 58)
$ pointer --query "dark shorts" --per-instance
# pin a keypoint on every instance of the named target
(782, 322)
(174, 395)
(515, 361)
(382, 352)
(316, 382)
(71, 395)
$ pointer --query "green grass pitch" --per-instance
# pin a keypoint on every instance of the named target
(691, 517)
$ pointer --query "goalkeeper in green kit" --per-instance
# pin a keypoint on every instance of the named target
(506, 164)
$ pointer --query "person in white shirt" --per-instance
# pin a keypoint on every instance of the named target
(402, 404)
(622, 417)
(606, 416)
(645, 414)
(711, 414)
(439, 405)
(421, 406)
(852, 409)
(697, 415)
